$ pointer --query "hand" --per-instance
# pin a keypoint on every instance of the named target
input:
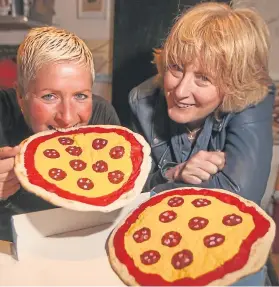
(198, 168)
(9, 183)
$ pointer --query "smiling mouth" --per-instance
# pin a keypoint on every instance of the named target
(61, 129)
(182, 105)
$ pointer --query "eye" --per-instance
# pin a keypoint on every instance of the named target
(81, 97)
(203, 78)
(48, 97)
(176, 68)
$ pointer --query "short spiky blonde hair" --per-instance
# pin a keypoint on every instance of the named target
(49, 45)
(230, 45)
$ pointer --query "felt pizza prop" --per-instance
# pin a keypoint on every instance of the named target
(191, 237)
(86, 168)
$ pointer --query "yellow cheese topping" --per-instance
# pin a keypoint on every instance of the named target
(204, 259)
(102, 186)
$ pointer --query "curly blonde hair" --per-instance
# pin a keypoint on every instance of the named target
(49, 45)
(230, 45)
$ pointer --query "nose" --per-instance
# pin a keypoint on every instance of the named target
(65, 116)
(184, 89)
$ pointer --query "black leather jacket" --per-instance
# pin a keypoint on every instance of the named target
(245, 137)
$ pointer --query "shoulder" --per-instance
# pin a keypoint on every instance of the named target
(100, 102)
(8, 102)
(256, 113)
(7, 94)
(144, 92)
(103, 112)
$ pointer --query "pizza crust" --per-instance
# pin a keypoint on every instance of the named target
(53, 198)
(259, 251)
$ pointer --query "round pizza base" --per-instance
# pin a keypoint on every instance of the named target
(257, 259)
(55, 199)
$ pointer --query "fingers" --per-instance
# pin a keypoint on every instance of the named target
(7, 165)
(187, 178)
(206, 166)
(215, 157)
(8, 184)
(178, 170)
(200, 167)
(7, 176)
(7, 192)
(7, 151)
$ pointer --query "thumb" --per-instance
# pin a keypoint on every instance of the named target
(7, 151)
(178, 170)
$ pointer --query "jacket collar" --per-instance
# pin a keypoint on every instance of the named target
(160, 134)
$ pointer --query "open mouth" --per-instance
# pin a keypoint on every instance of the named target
(60, 129)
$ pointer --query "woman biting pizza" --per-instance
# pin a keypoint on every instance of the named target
(54, 91)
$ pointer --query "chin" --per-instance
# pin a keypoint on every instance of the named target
(179, 118)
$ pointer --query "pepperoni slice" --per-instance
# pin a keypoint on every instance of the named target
(232, 219)
(57, 173)
(78, 164)
(197, 223)
(150, 257)
(99, 143)
(116, 176)
(167, 216)
(171, 239)
(201, 202)
(100, 166)
(182, 259)
(66, 141)
(175, 201)
(142, 235)
(51, 153)
(117, 152)
(85, 183)
(213, 240)
(74, 150)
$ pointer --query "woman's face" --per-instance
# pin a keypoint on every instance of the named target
(190, 95)
(60, 97)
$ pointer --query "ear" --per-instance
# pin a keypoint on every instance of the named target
(19, 96)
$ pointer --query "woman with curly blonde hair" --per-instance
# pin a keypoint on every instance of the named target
(208, 113)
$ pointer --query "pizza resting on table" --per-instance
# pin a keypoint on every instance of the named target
(85, 168)
(191, 237)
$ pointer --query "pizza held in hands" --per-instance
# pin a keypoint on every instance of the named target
(86, 168)
(191, 237)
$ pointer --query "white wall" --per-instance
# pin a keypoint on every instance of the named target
(66, 17)
(269, 9)
(272, 178)
(96, 33)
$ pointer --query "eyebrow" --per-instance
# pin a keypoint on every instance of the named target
(59, 91)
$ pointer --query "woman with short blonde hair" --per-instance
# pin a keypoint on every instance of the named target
(49, 45)
(54, 91)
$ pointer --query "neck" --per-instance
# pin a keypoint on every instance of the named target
(195, 124)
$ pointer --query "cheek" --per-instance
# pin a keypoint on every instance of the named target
(85, 112)
(169, 82)
(209, 99)
(39, 112)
